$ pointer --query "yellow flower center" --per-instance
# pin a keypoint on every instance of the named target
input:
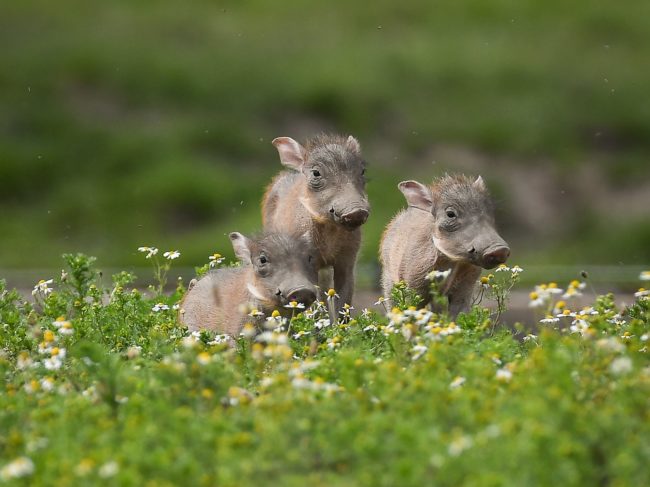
(533, 296)
(275, 313)
(48, 336)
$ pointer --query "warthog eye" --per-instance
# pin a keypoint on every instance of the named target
(451, 214)
(315, 173)
(263, 259)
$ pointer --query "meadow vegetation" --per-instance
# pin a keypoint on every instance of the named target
(102, 386)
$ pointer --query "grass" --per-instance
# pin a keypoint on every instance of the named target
(125, 123)
(103, 387)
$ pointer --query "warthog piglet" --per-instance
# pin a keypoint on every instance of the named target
(276, 270)
(322, 196)
(447, 226)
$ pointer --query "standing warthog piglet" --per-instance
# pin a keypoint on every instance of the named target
(323, 196)
(447, 226)
(276, 269)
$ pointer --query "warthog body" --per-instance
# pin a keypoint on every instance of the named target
(276, 269)
(323, 197)
(447, 226)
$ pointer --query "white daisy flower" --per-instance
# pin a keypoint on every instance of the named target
(215, 259)
(438, 276)
(457, 382)
(150, 251)
(503, 375)
(42, 287)
(20, 467)
(172, 254)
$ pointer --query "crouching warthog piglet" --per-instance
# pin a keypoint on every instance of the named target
(447, 226)
(323, 196)
(276, 269)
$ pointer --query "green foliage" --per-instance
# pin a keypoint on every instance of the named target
(403, 297)
(156, 126)
(117, 392)
(81, 273)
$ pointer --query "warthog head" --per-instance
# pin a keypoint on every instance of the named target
(334, 171)
(283, 268)
(463, 219)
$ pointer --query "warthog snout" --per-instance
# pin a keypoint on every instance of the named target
(302, 295)
(495, 257)
(355, 218)
(351, 219)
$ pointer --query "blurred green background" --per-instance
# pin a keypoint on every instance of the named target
(129, 123)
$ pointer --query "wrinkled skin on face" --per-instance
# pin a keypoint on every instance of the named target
(283, 268)
(335, 175)
(276, 269)
(447, 226)
(463, 213)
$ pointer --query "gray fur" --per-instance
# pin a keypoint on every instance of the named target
(322, 197)
(448, 225)
(221, 300)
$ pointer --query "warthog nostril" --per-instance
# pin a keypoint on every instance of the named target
(332, 210)
(495, 257)
(305, 296)
(355, 218)
(278, 293)
(472, 250)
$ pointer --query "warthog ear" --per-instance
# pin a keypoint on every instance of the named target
(352, 144)
(292, 154)
(480, 184)
(417, 195)
(241, 246)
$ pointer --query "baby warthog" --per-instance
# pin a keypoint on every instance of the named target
(448, 225)
(276, 269)
(323, 196)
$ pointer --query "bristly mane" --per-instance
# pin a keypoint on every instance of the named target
(334, 151)
(461, 188)
(324, 139)
(284, 241)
